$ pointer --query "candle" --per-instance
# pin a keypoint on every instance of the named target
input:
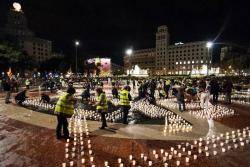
(106, 163)
(178, 163)
(170, 156)
(145, 158)
(71, 163)
(91, 159)
(90, 152)
(215, 152)
(66, 155)
(83, 160)
(133, 162)
(207, 154)
(175, 152)
(119, 160)
(63, 164)
(130, 157)
(195, 157)
(121, 165)
(189, 153)
(150, 163)
(187, 160)
(223, 150)
(165, 164)
(179, 155)
(164, 159)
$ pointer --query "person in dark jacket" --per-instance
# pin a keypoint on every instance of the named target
(181, 99)
(228, 86)
(20, 97)
(7, 89)
(215, 88)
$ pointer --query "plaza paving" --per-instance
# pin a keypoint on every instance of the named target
(27, 138)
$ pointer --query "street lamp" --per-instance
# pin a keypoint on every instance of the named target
(129, 52)
(77, 43)
(208, 45)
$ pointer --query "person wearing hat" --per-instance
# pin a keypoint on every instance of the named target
(124, 102)
(101, 106)
(64, 109)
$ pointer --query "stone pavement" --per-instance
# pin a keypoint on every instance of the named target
(27, 138)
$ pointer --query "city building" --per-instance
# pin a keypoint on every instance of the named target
(16, 27)
(16, 31)
(188, 58)
(178, 59)
(144, 58)
(39, 49)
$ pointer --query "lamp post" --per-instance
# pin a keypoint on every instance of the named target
(77, 43)
(129, 52)
(208, 45)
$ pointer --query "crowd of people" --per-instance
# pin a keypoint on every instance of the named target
(202, 90)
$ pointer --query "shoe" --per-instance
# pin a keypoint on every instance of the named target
(101, 127)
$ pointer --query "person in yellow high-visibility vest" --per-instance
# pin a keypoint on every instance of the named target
(64, 109)
(102, 106)
(124, 102)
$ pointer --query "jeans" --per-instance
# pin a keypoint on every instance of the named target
(228, 97)
(125, 110)
(215, 97)
(7, 97)
(103, 118)
(62, 123)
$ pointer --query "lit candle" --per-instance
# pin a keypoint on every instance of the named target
(178, 163)
(150, 163)
(71, 163)
(189, 153)
(215, 152)
(187, 160)
(133, 162)
(130, 157)
(195, 157)
(91, 159)
(83, 160)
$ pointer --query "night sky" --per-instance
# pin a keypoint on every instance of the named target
(106, 28)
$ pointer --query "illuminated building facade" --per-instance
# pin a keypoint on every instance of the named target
(178, 59)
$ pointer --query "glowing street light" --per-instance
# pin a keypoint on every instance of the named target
(208, 45)
(17, 7)
(129, 52)
(77, 43)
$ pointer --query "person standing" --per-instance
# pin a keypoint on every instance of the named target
(7, 89)
(102, 106)
(228, 86)
(181, 99)
(27, 83)
(124, 102)
(64, 109)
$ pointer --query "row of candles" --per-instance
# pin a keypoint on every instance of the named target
(36, 103)
(78, 149)
(215, 112)
(173, 122)
(172, 104)
(113, 116)
(190, 152)
(240, 99)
